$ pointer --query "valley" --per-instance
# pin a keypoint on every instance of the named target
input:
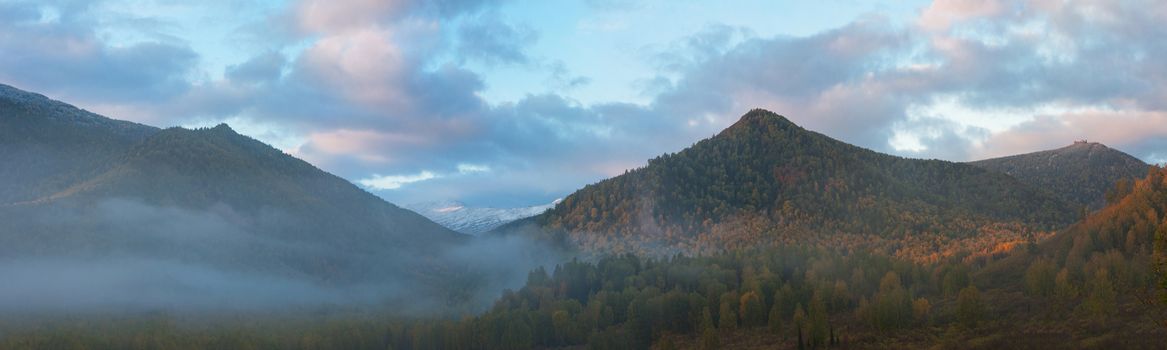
(767, 235)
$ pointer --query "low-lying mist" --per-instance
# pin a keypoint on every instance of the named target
(125, 256)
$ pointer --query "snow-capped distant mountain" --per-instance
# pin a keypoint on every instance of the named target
(460, 217)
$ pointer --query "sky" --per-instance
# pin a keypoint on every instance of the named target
(520, 102)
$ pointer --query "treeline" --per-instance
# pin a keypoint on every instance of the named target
(808, 297)
(794, 298)
(1091, 286)
(155, 331)
(1092, 294)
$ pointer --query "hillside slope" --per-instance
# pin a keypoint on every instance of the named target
(1080, 173)
(47, 145)
(80, 185)
(1134, 225)
(765, 180)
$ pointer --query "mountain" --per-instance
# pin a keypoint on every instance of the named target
(470, 220)
(78, 184)
(55, 144)
(765, 180)
(1080, 173)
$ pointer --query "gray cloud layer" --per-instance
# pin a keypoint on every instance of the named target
(126, 256)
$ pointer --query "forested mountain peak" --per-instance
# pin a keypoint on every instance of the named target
(759, 119)
(1080, 173)
(220, 142)
(760, 126)
(1083, 148)
(765, 180)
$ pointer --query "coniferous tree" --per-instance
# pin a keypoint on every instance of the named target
(818, 332)
(709, 338)
(753, 311)
(639, 330)
(727, 317)
(1041, 278)
(969, 307)
(775, 319)
(1101, 298)
(800, 323)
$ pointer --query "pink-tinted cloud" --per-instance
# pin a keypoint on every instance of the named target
(942, 15)
(364, 65)
(332, 16)
(368, 146)
(1123, 129)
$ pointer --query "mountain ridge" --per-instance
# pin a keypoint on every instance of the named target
(61, 112)
(1080, 173)
(766, 173)
(55, 143)
(294, 218)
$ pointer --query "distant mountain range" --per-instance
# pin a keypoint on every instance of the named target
(765, 180)
(471, 220)
(76, 183)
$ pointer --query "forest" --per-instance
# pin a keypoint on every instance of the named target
(1098, 284)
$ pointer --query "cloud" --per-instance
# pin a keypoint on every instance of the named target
(65, 56)
(265, 67)
(932, 137)
(126, 256)
(395, 87)
(369, 95)
(392, 182)
(139, 284)
(708, 42)
(472, 168)
(943, 14)
(331, 16)
(560, 79)
(15, 12)
(363, 65)
(488, 39)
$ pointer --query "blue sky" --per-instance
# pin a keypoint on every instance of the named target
(514, 103)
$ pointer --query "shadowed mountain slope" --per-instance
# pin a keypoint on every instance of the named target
(1080, 173)
(78, 184)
